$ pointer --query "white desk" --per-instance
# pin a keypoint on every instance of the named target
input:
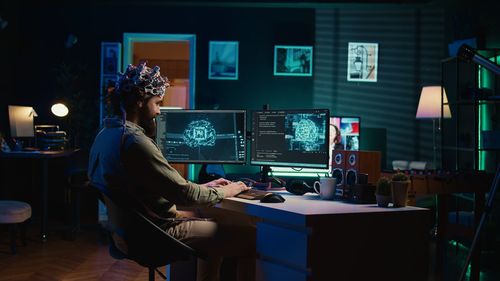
(306, 238)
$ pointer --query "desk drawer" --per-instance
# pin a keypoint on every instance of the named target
(282, 245)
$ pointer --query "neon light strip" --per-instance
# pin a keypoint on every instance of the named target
(481, 156)
(308, 175)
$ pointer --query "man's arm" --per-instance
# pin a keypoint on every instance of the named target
(144, 161)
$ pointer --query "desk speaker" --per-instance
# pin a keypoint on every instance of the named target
(338, 166)
(355, 163)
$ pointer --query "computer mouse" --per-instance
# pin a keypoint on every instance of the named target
(272, 198)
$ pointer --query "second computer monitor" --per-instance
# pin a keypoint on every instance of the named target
(291, 138)
(202, 136)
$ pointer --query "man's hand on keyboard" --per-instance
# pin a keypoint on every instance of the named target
(234, 188)
(217, 183)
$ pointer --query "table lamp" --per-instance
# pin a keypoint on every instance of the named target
(429, 107)
(59, 109)
(58, 139)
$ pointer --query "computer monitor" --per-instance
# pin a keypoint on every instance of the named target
(202, 136)
(290, 138)
(349, 127)
(21, 121)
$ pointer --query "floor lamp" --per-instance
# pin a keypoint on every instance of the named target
(429, 107)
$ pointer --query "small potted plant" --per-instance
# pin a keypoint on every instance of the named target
(400, 183)
(383, 192)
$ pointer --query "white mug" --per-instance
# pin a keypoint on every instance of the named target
(326, 187)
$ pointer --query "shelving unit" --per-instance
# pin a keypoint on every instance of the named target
(474, 99)
(473, 93)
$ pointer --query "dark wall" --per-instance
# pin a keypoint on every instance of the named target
(412, 40)
(410, 46)
(473, 19)
(32, 51)
(257, 31)
(36, 49)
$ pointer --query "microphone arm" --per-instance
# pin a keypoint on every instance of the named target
(468, 54)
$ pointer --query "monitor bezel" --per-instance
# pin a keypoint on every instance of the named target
(289, 164)
(359, 134)
(238, 162)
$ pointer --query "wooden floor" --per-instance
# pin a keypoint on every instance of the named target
(86, 258)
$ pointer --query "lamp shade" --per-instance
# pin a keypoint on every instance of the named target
(429, 105)
(59, 110)
(21, 121)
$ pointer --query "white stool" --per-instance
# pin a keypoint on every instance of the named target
(14, 213)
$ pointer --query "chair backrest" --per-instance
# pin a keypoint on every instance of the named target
(146, 243)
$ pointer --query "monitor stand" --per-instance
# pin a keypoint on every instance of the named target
(267, 181)
(264, 174)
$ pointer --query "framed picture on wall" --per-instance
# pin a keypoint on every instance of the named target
(111, 63)
(293, 60)
(110, 57)
(362, 62)
(223, 60)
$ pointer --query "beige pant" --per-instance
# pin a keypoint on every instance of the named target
(229, 235)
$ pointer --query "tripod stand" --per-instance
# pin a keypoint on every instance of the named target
(486, 213)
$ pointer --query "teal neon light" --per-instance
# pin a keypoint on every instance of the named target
(485, 81)
(297, 174)
(303, 172)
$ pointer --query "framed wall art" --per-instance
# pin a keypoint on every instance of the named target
(293, 60)
(362, 62)
(223, 60)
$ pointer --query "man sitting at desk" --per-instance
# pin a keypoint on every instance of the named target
(124, 159)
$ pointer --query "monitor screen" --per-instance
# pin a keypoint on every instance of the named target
(291, 138)
(202, 136)
(349, 130)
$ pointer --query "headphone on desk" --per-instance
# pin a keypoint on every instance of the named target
(299, 187)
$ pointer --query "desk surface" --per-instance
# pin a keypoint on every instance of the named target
(300, 210)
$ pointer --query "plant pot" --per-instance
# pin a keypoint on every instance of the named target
(400, 193)
(383, 200)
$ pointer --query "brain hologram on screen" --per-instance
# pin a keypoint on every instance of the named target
(199, 133)
(306, 131)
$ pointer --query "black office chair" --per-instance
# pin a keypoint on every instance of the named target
(146, 243)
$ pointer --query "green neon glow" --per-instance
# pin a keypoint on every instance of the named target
(461, 246)
(298, 174)
(303, 172)
(480, 155)
(485, 81)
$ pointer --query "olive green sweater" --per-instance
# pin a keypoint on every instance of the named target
(133, 163)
